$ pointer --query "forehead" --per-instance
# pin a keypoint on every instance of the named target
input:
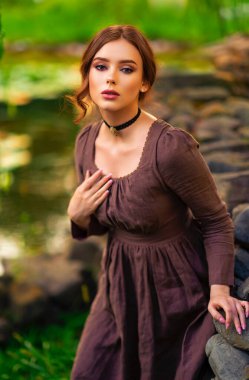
(119, 50)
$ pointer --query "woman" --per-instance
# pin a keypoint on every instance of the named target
(169, 260)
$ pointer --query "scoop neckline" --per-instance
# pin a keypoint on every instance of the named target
(141, 156)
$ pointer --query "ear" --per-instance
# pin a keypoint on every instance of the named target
(145, 87)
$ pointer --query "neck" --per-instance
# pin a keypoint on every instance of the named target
(119, 117)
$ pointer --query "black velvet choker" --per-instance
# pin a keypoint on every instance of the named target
(116, 128)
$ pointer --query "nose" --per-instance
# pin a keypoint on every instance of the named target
(111, 81)
(111, 75)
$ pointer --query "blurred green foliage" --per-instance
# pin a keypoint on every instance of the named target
(59, 21)
(1, 37)
(229, 15)
(43, 353)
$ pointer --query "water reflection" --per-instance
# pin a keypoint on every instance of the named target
(9, 249)
(37, 178)
(13, 152)
(24, 77)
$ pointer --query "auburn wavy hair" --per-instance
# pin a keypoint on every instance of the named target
(81, 97)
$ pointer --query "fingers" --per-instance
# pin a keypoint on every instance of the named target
(95, 182)
(215, 314)
(91, 180)
(101, 198)
(102, 184)
(245, 306)
(235, 311)
(221, 303)
(87, 174)
(98, 189)
(102, 190)
(236, 320)
(94, 189)
(241, 314)
(89, 194)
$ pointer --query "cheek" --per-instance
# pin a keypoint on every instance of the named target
(135, 85)
(135, 81)
(93, 82)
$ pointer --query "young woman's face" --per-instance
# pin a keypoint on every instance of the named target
(116, 66)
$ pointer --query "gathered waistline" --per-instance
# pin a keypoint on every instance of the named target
(158, 236)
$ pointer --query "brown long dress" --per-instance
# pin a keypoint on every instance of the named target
(169, 237)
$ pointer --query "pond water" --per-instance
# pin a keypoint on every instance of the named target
(36, 179)
(36, 148)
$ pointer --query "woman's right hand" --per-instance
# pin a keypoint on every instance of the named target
(88, 196)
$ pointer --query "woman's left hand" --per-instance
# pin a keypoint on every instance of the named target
(235, 309)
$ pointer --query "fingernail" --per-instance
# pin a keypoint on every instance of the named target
(221, 320)
(239, 331)
(243, 327)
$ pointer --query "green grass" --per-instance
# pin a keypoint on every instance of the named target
(60, 21)
(43, 353)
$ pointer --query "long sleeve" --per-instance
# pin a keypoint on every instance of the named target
(183, 169)
(94, 228)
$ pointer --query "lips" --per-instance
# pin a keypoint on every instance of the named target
(110, 92)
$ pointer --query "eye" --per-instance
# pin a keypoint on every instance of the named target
(100, 67)
(127, 70)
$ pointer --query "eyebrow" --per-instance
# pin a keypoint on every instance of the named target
(121, 61)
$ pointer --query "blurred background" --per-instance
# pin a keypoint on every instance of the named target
(201, 49)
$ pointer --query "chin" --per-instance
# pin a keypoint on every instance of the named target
(110, 107)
